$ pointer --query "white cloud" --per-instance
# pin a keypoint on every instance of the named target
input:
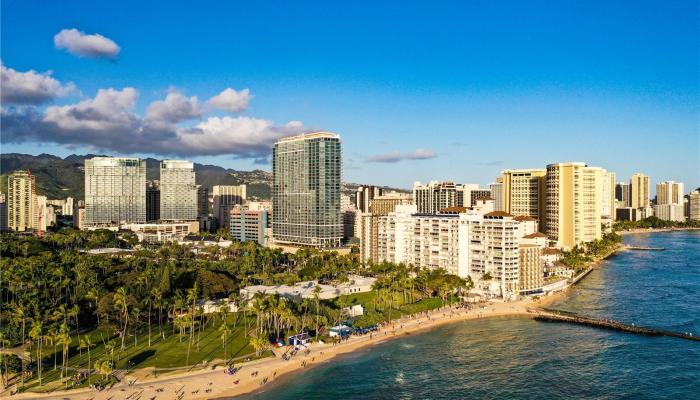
(82, 45)
(243, 136)
(110, 109)
(230, 100)
(108, 122)
(30, 87)
(396, 156)
(174, 109)
(421, 154)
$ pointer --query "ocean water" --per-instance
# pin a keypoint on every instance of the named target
(518, 358)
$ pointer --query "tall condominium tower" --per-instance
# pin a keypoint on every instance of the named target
(152, 201)
(669, 192)
(306, 190)
(524, 193)
(497, 194)
(639, 191)
(22, 207)
(115, 191)
(607, 207)
(202, 201)
(436, 196)
(694, 205)
(622, 194)
(574, 203)
(365, 195)
(178, 193)
(225, 198)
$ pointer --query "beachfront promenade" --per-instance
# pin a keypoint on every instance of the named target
(256, 375)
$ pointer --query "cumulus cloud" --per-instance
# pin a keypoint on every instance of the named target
(230, 100)
(30, 87)
(173, 109)
(244, 136)
(83, 45)
(396, 156)
(108, 122)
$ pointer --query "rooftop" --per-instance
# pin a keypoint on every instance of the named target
(535, 235)
(497, 214)
(310, 135)
(522, 218)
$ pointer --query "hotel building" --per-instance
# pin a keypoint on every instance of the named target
(22, 207)
(178, 192)
(524, 192)
(306, 190)
(639, 191)
(365, 195)
(225, 197)
(574, 203)
(115, 191)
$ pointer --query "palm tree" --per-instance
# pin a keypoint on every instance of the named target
(317, 298)
(37, 333)
(192, 295)
(121, 303)
(64, 339)
(259, 343)
(85, 343)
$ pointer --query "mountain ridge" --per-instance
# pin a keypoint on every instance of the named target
(58, 178)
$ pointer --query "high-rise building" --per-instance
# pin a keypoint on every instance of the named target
(115, 191)
(639, 191)
(435, 196)
(152, 201)
(494, 255)
(67, 208)
(482, 247)
(497, 194)
(225, 198)
(573, 203)
(365, 195)
(531, 268)
(178, 192)
(3, 213)
(694, 200)
(202, 201)
(607, 208)
(623, 195)
(669, 192)
(22, 207)
(248, 224)
(306, 190)
(524, 192)
(366, 223)
(670, 212)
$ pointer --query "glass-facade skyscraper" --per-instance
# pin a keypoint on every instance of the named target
(306, 190)
(115, 191)
(178, 192)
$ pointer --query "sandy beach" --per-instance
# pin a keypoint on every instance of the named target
(259, 374)
(255, 375)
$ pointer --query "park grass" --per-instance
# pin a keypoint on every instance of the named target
(375, 314)
(164, 354)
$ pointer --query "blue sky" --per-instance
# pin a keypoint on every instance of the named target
(471, 88)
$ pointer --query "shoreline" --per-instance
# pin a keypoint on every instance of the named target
(194, 385)
(655, 230)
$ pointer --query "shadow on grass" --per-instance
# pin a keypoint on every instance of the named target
(141, 357)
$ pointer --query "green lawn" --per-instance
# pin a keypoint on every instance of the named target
(373, 316)
(163, 354)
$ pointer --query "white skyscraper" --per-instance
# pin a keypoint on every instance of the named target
(178, 193)
(115, 191)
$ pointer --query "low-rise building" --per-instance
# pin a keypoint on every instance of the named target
(248, 225)
(307, 289)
